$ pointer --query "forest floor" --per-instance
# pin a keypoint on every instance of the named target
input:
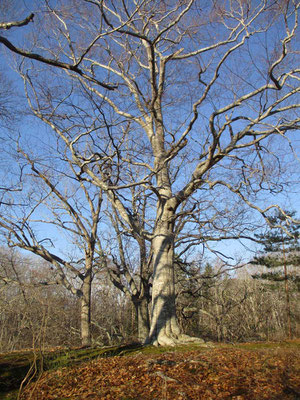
(249, 371)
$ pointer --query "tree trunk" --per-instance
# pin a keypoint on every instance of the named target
(164, 329)
(143, 320)
(86, 311)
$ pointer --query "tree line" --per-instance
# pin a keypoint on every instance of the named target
(221, 307)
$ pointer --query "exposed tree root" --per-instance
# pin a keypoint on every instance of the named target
(166, 340)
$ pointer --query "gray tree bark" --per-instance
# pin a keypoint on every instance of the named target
(142, 318)
(85, 314)
(164, 328)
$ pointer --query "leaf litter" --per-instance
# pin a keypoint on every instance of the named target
(218, 373)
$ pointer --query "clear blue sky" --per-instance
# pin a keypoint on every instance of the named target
(290, 200)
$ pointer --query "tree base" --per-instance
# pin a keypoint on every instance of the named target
(166, 340)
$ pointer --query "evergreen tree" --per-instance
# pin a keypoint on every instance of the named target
(281, 249)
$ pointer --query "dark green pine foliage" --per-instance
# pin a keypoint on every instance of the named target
(280, 248)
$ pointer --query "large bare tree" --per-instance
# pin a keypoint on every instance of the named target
(198, 97)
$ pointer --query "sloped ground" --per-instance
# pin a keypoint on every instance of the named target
(17, 365)
(241, 372)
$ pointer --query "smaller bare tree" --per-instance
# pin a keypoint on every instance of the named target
(48, 200)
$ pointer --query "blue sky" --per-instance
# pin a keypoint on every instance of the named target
(291, 200)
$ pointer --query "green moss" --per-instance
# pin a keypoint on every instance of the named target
(170, 349)
(14, 366)
(269, 345)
